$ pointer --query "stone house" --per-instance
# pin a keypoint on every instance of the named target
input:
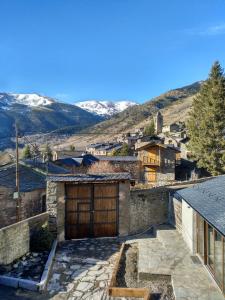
(129, 164)
(200, 218)
(32, 193)
(174, 127)
(85, 205)
(158, 161)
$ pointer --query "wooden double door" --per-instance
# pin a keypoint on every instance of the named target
(91, 210)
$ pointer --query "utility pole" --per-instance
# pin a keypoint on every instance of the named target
(17, 177)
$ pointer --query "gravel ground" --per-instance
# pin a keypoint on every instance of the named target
(127, 276)
(30, 266)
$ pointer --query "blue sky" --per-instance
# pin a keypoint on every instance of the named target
(108, 49)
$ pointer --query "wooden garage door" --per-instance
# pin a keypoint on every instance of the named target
(91, 210)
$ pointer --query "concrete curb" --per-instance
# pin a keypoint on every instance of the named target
(30, 284)
(48, 266)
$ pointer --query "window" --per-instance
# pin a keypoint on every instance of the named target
(200, 236)
(218, 264)
(210, 247)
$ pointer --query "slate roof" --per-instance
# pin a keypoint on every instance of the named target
(208, 199)
(90, 177)
(118, 158)
(85, 160)
(29, 179)
(49, 167)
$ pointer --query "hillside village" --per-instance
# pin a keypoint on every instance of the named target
(112, 150)
(134, 217)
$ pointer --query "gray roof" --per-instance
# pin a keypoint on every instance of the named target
(29, 179)
(208, 199)
(90, 177)
(46, 167)
(118, 158)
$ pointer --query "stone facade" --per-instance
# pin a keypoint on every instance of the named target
(124, 207)
(56, 208)
(148, 207)
(166, 170)
(55, 204)
(15, 239)
(31, 205)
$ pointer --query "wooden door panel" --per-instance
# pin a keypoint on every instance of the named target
(101, 230)
(106, 203)
(91, 210)
(104, 217)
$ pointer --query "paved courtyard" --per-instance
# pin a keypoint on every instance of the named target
(82, 269)
(168, 255)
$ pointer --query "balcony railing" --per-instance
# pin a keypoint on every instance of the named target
(146, 160)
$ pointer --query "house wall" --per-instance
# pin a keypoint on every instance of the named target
(31, 204)
(189, 226)
(148, 207)
(166, 170)
(55, 204)
(15, 239)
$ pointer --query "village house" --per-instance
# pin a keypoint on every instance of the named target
(32, 194)
(130, 164)
(85, 205)
(103, 148)
(158, 161)
(199, 215)
(60, 154)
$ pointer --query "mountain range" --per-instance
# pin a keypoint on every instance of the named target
(38, 114)
(174, 106)
(105, 108)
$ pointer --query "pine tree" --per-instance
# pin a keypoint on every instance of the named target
(206, 124)
(27, 152)
(150, 129)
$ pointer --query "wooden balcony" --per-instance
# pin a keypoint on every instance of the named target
(149, 161)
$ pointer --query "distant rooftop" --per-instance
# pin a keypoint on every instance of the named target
(208, 199)
(118, 158)
(105, 146)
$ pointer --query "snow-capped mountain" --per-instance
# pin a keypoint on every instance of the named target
(37, 114)
(31, 100)
(105, 108)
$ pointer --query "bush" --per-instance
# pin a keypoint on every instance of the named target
(41, 240)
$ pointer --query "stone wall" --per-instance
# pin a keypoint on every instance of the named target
(124, 208)
(55, 204)
(15, 239)
(148, 207)
(31, 205)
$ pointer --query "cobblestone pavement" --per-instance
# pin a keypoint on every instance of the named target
(83, 269)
